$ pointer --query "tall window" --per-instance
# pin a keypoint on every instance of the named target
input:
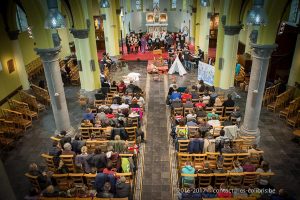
(173, 4)
(139, 4)
(155, 2)
(21, 20)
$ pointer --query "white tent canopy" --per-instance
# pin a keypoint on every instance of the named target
(177, 67)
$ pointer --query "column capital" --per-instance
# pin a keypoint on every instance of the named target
(80, 33)
(262, 51)
(48, 55)
(13, 35)
(232, 30)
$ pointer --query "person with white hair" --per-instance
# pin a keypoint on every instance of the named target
(122, 188)
(68, 150)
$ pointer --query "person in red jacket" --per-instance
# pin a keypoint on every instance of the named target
(224, 192)
(186, 95)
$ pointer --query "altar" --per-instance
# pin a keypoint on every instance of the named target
(156, 22)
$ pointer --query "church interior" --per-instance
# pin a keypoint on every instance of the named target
(149, 99)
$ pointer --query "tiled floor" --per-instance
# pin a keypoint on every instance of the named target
(280, 151)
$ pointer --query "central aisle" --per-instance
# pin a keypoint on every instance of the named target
(156, 180)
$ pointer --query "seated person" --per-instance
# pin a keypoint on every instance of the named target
(176, 104)
(212, 114)
(127, 98)
(227, 148)
(105, 193)
(100, 96)
(218, 102)
(188, 104)
(98, 123)
(118, 145)
(263, 181)
(134, 103)
(186, 95)
(117, 99)
(109, 169)
(140, 100)
(206, 98)
(248, 167)
(68, 150)
(200, 104)
(55, 151)
(114, 84)
(50, 191)
(214, 122)
(122, 87)
(122, 188)
(200, 112)
(77, 143)
(206, 168)
(109, 114)
(237, 168)
(42, 176)
(201, 86)
(191, 122)
(209, 192)
(224, 192)
(89, 115)
(229, 102)
(188, 169)
(118, 130)
(86, 123)
(221, 140)
(81, 160)
(115, 106)
(182, 128)
(175, 95)
(97, 160)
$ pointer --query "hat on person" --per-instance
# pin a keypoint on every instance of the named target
(190, 116)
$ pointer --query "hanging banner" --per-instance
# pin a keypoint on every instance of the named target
(206, 73)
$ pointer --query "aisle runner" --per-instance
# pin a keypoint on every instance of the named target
(156, 179)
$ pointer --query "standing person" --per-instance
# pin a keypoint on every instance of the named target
(182, 40)
(150, 43)
(143, 44)
(157, 42)
(127, 42)
(140, 42)
(186, 56)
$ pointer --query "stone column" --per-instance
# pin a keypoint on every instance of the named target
(56, 89)
(5, 186)
(230, 46)
(260, 63)
(205, 15)
(295, 69)
(13, 36)
(87, 63)
(111, 29)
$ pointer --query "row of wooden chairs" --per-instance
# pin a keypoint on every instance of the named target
(41, 94)
(220, 110)
(212, 157)
(31, 101)
(270, 94)
(5, 142)
(17, 118)
(10, 128)
(292, 113)
(22, 108)
(282, 100)
(34, 68)
(104, 133)
(67, 181)
(74, 73)
(233, 180)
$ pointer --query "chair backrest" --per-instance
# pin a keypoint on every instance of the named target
(49, 162)
(34, 181)
(193, 131)
(250, 178)
(183, 145)
(219, 110)
(99, 133)
(178, 111)
(235, 179)
(220, 178)
(198, 160)
(131, 132)
(229, 110)
(76, 179)
(212, 159)
(205, 180)
(241, 157)
(187, 111)
(85, 132)
(228, 161)
(90, 180)
(188, 180)
(69, 162)
(183, 158)
(62, 181)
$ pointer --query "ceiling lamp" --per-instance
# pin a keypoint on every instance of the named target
(257, 15)
(54, 19)
(104, 4)
(204, 3)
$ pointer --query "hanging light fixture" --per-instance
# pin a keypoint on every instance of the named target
(104, 4)
(54, 19)
(204, 3)
(257, 15)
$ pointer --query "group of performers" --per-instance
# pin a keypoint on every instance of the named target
(136, 42)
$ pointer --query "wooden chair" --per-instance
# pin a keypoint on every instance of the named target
(228, 161)
(183, 158)
(34, 181)
(76, 179)
(113, 89)
(208, 109)
(178, 111)
(98, 103)
(219, 110)
(131, 132)
(90, 180)
(49, 162)
(255, 158)
(193, 131)
(212, 159)
(190, 182)
(62, 181)
(235, 179)
(99, 133)
(187, 111)
(134, 121)
(68, 160)
(5, 142)
(205, 180)
(276, 104)
(241, 157)
(295, 120)
(199, 160)
(228, 111)
(183, 145)
(85, 132)
(250, 178)
(220, 178)
(288, 111)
